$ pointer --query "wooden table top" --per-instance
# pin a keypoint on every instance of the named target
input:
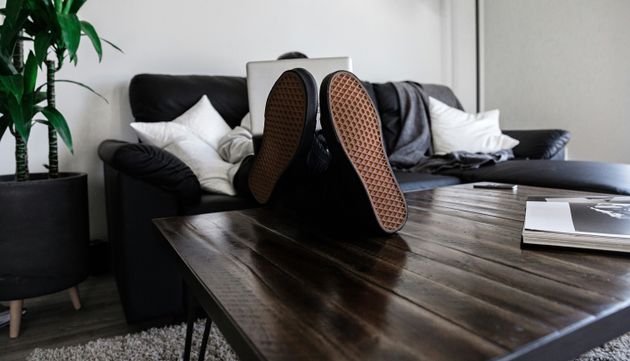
(453, 284)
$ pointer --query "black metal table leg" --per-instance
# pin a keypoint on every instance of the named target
(204, 339)
(190, 323)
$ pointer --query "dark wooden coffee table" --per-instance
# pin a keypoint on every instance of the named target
(454, 284)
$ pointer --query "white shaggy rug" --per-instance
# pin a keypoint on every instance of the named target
(167, 343)
(615, 350)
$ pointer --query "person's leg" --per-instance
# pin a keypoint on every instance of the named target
(241, 178)
(360, 178)
(304, 174)
(344, 177)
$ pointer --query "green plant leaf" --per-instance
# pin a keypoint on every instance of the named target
(59, 6)
(89, 30)
(6, 65)
(42, 18)
(42, 43)
(67, 6)
(39, 97)
(4, 125)
(22, 126)
(70, 32)
(12, 26)
(42, 121)
(76, 6)
(12, 11)
(28, 107)
(75, 83)
(83, 86)
(12, 84)
(30, 73)
(43, 10)
(58, 122)
(61, 57)
(112, 45)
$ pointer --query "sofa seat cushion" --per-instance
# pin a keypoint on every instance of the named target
(210, 203)
(575, 175)
(410, 182)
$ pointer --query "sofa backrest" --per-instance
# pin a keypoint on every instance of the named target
(158, 98)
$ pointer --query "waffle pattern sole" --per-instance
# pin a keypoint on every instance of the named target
(285, 114)
(358, 129)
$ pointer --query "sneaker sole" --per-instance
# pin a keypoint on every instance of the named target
(289, 114)
(357, 129)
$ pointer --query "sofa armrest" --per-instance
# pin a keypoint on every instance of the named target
(152, 165)
(539, 144)
(146, 274)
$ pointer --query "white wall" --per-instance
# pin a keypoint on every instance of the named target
(388, 40)
(461, 62)
(562, 64)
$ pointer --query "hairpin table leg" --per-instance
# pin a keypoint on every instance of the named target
(204, 339)
(190, 323)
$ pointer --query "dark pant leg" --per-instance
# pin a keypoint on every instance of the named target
(241, 178)
(299, 178)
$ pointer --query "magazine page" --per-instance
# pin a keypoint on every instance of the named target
(549, 216)
(602, 217)
(591, 199)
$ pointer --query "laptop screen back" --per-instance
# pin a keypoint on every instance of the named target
(261, 75)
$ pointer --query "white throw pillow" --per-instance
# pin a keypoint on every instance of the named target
(454, 130)
(202, 119)
(193, 137)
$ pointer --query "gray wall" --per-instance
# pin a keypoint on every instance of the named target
(562, 64)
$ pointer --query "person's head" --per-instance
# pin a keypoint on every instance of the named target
(293, 55)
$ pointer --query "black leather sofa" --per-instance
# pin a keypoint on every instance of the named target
(143, 182)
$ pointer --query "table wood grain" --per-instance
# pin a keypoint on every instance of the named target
(453, 284)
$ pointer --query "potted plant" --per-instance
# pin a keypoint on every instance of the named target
(44, 224)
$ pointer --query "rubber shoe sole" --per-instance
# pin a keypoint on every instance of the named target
(290, 116)
(353, 129)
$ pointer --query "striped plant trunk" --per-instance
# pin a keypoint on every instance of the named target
(53, 156)
(21, 150)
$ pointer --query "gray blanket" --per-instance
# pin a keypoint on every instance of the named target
(413, 149)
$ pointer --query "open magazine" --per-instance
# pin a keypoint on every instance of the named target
(601, 222)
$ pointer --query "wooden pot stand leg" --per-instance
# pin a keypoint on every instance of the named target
(17, 305)
(15, 312)
(74, 296)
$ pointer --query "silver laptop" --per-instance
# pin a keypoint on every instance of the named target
(261, 75)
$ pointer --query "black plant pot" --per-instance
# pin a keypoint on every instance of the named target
(44, 234)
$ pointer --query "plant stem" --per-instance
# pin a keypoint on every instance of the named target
(18, 55)
(21, 150)
(21, 159)
(53, 157)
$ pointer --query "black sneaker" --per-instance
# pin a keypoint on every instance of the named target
(290, 117)
(352, 128)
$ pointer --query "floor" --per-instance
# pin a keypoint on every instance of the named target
(52, 322)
